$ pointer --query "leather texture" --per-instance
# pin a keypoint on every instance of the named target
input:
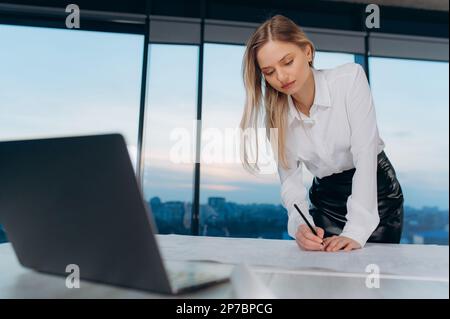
(328, 202)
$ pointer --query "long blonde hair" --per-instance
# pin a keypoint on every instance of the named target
(277, 28)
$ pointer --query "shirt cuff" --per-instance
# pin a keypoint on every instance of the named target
(360, 222)
(295, 220)
(357, 235)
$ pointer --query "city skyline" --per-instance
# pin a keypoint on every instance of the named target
(219, 217)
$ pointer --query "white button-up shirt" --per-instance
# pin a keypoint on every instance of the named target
(341, 133)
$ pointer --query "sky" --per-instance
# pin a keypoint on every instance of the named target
(67, 82)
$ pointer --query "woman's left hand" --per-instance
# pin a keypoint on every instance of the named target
(335, 243)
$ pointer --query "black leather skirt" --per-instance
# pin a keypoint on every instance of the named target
(328, 198)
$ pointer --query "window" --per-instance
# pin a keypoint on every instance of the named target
(328, 60)
(69, 82)
(66, 82)
(169, 144)
(411, 99)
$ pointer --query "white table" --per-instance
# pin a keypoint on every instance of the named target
(406, 271)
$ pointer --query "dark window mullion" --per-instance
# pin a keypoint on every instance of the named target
(140, 141)
(196, 200)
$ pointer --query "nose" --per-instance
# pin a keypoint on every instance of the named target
(282, 77)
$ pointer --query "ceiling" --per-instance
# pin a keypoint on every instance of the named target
(437, 5)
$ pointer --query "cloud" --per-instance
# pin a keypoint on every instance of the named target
(400, 134)
(220, 187)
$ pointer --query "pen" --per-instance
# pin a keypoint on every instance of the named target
(307, 222)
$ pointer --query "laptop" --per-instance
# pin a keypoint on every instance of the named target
(76, 201)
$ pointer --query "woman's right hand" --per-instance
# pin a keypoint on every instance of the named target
(306, 239)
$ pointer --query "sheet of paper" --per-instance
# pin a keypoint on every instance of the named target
(430, 261)
(247, 285)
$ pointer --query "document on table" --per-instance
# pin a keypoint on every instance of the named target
(429, 261)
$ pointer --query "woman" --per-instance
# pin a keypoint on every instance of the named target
(326, 121)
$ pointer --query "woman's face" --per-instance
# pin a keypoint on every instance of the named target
(284, 65)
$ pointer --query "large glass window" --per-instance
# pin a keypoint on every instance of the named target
(329, 60)
(65, 82)
(68, 82)
(169, 143)
(412, 103)
(234, 202)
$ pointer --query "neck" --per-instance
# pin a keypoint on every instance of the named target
(304, 98)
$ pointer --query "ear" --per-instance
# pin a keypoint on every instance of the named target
(308, 52)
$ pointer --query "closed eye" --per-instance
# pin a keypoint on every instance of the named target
(288, 63)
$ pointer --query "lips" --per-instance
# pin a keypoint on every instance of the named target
(288, 85)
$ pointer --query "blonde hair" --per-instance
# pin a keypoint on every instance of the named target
(277, 28)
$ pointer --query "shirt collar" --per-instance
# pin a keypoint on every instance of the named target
(321, 96)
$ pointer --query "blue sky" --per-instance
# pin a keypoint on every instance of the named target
(66, 82)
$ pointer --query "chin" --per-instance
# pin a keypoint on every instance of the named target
(289, 91)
